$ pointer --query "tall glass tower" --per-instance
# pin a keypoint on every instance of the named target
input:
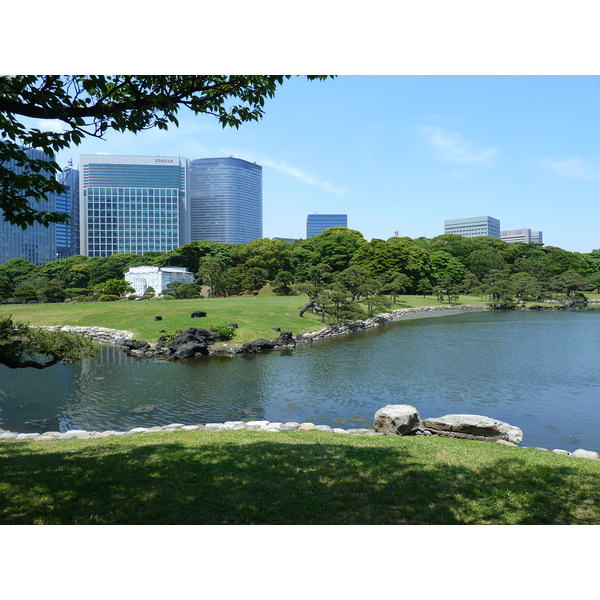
(37, 243)
(225, 200)
(317, 223)
(133, 204)
(67, 234)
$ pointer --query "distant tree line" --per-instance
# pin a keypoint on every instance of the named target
(337, 270)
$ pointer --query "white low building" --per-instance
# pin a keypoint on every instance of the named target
(141, 278)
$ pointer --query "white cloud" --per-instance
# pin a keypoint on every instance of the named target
(577, 168)
(292, 171)
(302, 176)
(53, 125)
(452, 147)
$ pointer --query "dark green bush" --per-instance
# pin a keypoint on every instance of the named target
(107, 298)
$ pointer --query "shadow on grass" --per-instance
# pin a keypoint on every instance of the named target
(261, 482)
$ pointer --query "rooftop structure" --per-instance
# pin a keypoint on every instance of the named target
(525, 236)
(473, 227)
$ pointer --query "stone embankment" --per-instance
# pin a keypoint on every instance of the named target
(383, 319)
(102, 335)
(195, 342)
(396, 419)
(227, 426)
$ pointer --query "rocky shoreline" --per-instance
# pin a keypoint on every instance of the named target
(386, 422)
(195, 342)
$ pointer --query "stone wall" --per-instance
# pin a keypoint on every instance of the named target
(383, 319)
(123, 339)
(102, 335)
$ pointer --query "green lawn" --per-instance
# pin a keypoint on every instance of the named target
(255, 315)
(251, 477)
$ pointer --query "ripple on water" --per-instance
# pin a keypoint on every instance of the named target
(527, 369)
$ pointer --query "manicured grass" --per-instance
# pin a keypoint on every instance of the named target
(255, 315)
(250, 477)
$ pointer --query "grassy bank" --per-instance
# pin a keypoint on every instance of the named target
(250, 477)
(255, 315)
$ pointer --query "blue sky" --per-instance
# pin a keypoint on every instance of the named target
(404, 153)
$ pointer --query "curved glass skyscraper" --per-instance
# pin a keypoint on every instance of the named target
(225, 200)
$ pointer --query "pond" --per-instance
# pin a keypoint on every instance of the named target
(536, 370)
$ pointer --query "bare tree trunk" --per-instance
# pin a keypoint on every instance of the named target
(310, 304)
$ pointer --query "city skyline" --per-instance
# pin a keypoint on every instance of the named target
(429, 149)
(520, 147)
(158, 203)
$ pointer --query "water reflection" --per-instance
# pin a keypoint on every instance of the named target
(536, 371)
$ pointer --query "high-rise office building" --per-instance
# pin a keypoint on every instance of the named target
(473, 227)
(37, 243)
(67, 234)
(132, 204)
(525, 236)
(317, 223)
(225, 200)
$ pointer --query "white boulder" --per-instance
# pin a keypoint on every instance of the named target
(476, 426)
(585, 454)
(397, 419)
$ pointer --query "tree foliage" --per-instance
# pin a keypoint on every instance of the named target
(272, 255)
(114, 287)
(90, 106)
(374, 274)
(22, 346)
(213, 273)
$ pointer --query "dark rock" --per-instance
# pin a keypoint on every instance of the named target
(189, 343)
(275, 328)
(285, 338)
(379, 320)
(197, 314)
(574, 303)
(134, 344)
(190, 350)
(196, 334)
(158, 318)
(233, 325)
(256, 345)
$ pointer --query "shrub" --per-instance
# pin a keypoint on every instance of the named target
(167, 337)
(107, 298)
(77, 291)
(82, 299)
(225, 332)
